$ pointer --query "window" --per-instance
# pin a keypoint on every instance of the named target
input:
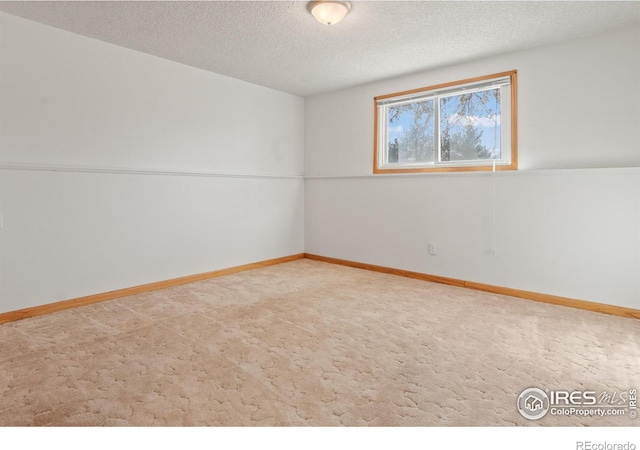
(464, 125)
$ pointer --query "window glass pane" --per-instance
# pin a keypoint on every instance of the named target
(470, 126)
(410, 132)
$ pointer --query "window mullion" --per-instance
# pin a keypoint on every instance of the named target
(436, 130)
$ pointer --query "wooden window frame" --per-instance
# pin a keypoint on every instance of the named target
(513, 165)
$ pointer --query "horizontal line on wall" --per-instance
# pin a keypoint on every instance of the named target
(509, 173)
(501, 290)
(107, 170)
(49, 308)
(502, 173)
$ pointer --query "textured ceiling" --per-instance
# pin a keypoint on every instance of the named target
(280, 45)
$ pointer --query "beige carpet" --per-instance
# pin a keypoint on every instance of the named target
(309, 343)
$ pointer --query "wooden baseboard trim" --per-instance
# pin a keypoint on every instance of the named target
(96, 298)
(528, 295)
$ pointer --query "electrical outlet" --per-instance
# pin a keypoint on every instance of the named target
(433, 248)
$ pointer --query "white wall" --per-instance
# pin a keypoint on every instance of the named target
(110, 164)
(567, 223)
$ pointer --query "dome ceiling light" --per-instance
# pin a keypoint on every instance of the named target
(329, 13)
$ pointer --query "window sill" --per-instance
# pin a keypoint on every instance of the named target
(490, 168)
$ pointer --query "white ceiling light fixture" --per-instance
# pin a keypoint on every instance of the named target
(329, 13)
